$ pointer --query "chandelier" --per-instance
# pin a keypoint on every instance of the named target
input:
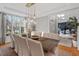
(31, 24)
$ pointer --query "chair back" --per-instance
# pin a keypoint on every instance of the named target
(24, 46)
(49, 41)
(35, 33)
(12, 41)
(15, 43)
(35, 48)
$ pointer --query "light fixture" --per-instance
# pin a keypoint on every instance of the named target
(29, 4)
(60, 15)
(31, 24)
(34, 16)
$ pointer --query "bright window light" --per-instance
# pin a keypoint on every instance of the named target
(60, 15)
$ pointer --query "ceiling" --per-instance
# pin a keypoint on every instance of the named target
(18, 8)
(44, 9)
(41, 8)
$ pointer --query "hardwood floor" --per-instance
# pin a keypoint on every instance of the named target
(71, 50)
(5, 50)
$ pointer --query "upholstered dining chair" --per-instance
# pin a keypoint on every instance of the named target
(49, 42)
(35, 34)
(12, 41)
(24, 46)
(15, 43)
(35, 47)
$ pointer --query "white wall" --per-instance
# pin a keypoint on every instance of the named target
(45, 10)
(42, 24)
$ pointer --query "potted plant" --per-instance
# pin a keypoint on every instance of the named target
(73, 29)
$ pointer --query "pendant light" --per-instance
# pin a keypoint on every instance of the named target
(31, 22)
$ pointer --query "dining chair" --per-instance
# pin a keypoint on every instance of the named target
(50, 35)
(35, 47)
(24, 46)
(49, 42)
(18, 40)
(35, 33)
(15, 43)
(12, 41)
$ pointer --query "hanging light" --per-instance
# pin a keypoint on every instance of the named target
(31, 23)
(29, 4)
(34, 16)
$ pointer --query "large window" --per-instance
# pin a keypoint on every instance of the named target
(15, 24)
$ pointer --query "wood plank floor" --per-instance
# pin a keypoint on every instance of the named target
(71, 50)
(7, 51)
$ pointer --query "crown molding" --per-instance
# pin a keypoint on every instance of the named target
(51, 12)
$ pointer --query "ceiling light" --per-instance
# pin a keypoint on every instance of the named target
(29, 4)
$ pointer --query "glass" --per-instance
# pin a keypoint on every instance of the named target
(8, 21)
(14, 24)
